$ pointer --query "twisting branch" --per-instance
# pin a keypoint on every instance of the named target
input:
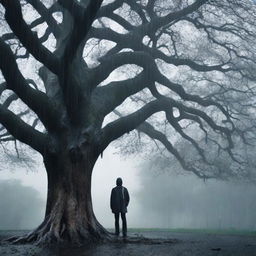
(207, 119)
(6, 135)
(132, 41)
(112, 62)
(125, 124)
(158, 22)
(114, 93)
(83, 19)
(22, 131)
(29, 39)
(35, 99)
(190, 97)
(173, 121)
(128, 123)
(149, 130)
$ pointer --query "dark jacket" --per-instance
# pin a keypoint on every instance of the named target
(119, 199)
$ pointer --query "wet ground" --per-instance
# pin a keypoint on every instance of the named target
(163, 243)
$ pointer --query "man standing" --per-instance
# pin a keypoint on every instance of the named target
(119, 201)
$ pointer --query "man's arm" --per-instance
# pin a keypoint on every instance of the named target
(112, 200)
(127, 196)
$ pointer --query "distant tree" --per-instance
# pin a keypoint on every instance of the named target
(167, 69)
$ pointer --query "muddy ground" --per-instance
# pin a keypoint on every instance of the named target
(163, 243)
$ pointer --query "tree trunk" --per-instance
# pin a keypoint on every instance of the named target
(69, 213)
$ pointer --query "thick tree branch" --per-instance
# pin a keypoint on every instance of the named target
(22, 131)
(29, 39)
(121, 21)
(38, 21)
(76, 95)
(130, 122)
(34, 99)
(113, 62)
(108, 97)
(2, 87)
(83, 19)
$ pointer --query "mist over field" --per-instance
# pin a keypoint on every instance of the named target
(159, 199)
(169, 201)
(21, 207)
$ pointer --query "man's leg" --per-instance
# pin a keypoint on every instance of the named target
(117, 224)
(124, 224)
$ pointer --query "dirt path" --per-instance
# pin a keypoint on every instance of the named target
(183, 244)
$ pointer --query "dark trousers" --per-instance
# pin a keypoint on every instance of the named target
(124, 226)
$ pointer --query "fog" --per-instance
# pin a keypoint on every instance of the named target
(21, 207)
(158, 199)
(171, 201)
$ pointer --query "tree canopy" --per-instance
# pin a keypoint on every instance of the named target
(169, 69)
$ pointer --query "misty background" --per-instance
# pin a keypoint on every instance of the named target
(160, 197)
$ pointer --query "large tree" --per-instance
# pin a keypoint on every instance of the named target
(166, 69)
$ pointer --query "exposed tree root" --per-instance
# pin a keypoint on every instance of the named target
(47, 234)
(49, 239)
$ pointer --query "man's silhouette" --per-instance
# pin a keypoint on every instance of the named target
(119, 201)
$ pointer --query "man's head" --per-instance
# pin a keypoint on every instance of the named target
(119, 182)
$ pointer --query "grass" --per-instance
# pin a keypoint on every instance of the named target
(201, 231)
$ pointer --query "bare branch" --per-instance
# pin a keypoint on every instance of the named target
(29, 39)
(157, 135)
(173, 121)
(158, 22)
